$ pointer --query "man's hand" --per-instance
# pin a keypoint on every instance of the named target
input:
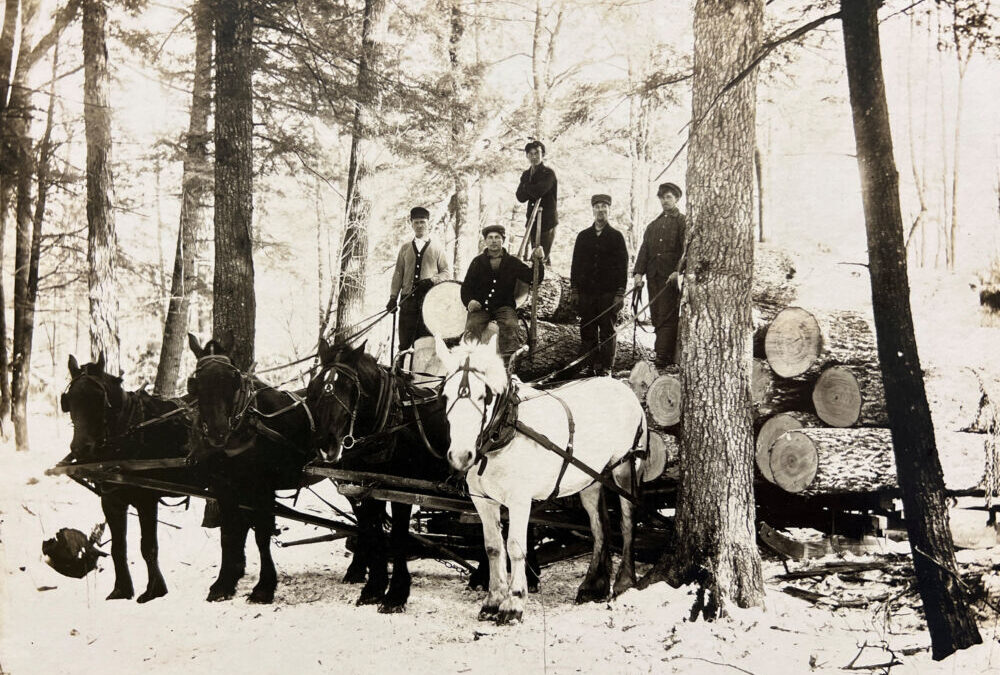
(391, 305)
(619, 302)
(672, 279)
(474, 306)
(424, 285)
(637, 281)
(538, 253)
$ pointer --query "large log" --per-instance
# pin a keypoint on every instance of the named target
(663, 400)
(772, 429)
(559, 344)
(842, 461)
(797, 340)
(845, 396)
(664, 457)
(771, 394)
(773, 273)
(641, 376)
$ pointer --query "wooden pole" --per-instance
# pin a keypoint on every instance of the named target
(536, 268)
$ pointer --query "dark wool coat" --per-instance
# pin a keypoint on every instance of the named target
(495, 289)
(662, 245)
(600, 263)
(543, 184)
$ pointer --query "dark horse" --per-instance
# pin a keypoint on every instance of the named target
(251, 440)
(369, 418)
(107, 426)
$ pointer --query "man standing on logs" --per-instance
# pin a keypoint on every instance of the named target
(597, 282)
(488, 290)
(660, 258)
(420, 264)
(538, 182)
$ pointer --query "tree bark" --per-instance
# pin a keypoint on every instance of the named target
(195, 186)
(458, 206)
(7, 49)
(102, 239)
(234, 304)
(716, 543)
(949, 618)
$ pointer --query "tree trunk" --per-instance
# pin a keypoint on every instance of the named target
(458, 206)
(234, 304)
(7, 49)
(102, 239)
(195, 185)
(716, 543)
(949, 618)
(360, 177)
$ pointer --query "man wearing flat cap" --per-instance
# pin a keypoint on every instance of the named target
(539, 182)
(489, 289)
(420, 264)
(660, 259)
(597, 281)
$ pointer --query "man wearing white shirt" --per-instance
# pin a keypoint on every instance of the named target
(420, 264)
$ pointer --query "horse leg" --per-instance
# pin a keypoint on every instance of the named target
(116, 513)
(534, 570)
(263, 529)
(156, 587)
(358, 569)
(512, 608)
(399, 587)
(489, 516)
(596, 584)
(370, 526)
(625, 579)
(480, 578)
(233, 534)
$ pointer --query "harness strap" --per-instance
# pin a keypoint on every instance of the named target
(545, 442)
(569, 447)
(420, 427)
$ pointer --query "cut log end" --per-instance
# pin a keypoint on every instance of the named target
(793, 342)
(770, 431)
(663, 400)
(793, 461)
(837, 397)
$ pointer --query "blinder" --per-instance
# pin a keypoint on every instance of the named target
(64, 402)
(192, 386)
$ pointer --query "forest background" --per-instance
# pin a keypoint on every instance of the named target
(462, 86)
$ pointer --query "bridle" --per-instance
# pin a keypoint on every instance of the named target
(110, 415)
(465, 392)
(382, 404)
(243, 398)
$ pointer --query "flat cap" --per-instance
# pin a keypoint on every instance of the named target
(600, 199)
(668, 187)
(499, 229)
(535, 144)
(418, 212)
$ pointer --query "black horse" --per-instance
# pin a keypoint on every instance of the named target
(369, 418)
(112, 424)
(251, 440)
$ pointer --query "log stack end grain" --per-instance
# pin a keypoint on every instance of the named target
(793, 342)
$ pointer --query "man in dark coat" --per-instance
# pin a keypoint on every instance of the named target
(539, 182)
(489, 287)
(660, 259)
(597, 281)
(420, 264)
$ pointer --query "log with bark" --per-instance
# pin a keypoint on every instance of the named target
(559, 345)
(773, 273)
(641, 376)
(845, 396)
(664, 458)
(797, 340)
(843, 461)
(772, 429)
(771, 394)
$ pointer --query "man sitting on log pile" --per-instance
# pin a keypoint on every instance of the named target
(597, 282)
(660, 258)
(420, 264)
(488, 290)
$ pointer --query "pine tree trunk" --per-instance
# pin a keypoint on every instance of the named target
(101, 235)
(360, 191)
(195, 186)
(20, 105)
(459, 203)
(234, 305)
(7, 49)
(949, 618)
(715, 544)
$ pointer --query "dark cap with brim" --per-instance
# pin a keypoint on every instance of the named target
(418, 213)
(499, 229)
(668, 187)
(600, 199)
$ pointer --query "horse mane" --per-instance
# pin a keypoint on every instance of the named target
(483, 357)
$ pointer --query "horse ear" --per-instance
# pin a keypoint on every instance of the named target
(361, 350)
(100, 361)
(74, 367)
(195, 346)
(324, 352)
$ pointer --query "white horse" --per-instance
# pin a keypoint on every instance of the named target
(608, 423)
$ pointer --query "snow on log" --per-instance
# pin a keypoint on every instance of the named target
(841, 461)
(773, 272)
(559, 344)
(772, 429)
(845, 396)
(771, 394)
(797, 339)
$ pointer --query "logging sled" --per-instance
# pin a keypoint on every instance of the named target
(449, 428)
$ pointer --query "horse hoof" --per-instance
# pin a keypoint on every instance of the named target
(218, 595)
(386, 608)
(369, 599)
(261, 597)
(488, 613)
(355, 576)
(151, 595)
(120, 594)
(509, 616)
(533, 587)
(477, 584)
(584, 596)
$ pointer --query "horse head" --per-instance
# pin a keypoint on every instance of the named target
(476, 378)
(334, 396)
(223, 395)
(93, 400)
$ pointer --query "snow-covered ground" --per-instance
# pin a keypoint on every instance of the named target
(54, 624)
